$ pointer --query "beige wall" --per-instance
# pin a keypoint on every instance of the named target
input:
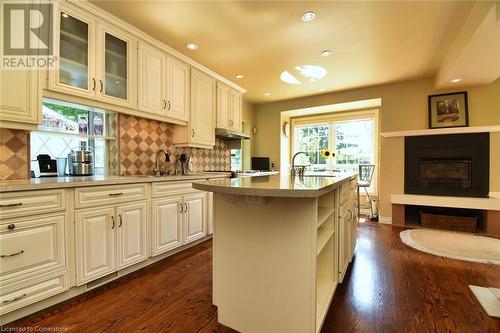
(404, 107)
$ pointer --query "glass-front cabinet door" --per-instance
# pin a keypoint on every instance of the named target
(74, 73)
(115, 66)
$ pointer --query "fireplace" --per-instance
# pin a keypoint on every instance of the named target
(449, 165)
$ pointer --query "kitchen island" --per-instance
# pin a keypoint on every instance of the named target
(281, 246)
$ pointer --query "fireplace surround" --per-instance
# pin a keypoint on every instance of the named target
(448, 165)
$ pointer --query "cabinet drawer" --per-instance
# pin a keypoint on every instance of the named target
(105, 195)
(14, 204)
(32, 290)
(161, 189)
(34, 245)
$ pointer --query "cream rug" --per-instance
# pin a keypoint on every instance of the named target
(454, 245)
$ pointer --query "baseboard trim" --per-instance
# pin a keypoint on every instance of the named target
(385, 219)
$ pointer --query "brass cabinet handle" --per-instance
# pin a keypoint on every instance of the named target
(11, 226)
(181, 206)
(102, 85)
(14, 299)
(113, 220)
(185, 208)
(115, 194)
(351, 215)
(93, 87)
(12, 205)
(163, 104)
(11, 255)
(121, 221)
(169, 105)
(192, 133)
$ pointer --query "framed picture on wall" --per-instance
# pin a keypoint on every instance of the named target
(448, 110)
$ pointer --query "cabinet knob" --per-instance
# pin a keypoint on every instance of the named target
(11, 226)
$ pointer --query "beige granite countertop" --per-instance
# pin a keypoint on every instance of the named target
(68, 182)
(275, 185)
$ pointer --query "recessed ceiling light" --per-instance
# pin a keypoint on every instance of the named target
(455, 80)
(326, 53)
(64, 15)
(322, 89)
(239, 76)
(192, 46)
(308, 16)
(267, 94)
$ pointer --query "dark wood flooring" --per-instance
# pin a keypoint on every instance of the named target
(389, 288)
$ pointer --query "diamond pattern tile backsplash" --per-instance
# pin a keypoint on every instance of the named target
(140, 139)
(14, 154)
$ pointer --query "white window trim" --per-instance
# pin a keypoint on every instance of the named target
(339, 117)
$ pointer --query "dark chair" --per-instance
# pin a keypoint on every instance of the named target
(365, 176)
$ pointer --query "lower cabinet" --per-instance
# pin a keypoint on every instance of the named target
(109, 238)
(347, 234)
(178, 220)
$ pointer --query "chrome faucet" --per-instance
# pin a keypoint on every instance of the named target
(158, 170)
(298, 170)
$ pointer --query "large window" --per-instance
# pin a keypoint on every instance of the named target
(352, 137)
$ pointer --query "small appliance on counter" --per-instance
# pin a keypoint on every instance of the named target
(47, 166)
(81, 162)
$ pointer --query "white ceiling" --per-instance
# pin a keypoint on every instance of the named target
(373, 42)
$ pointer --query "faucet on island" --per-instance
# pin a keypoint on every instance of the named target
(301, 168)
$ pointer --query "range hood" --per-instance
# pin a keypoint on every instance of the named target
(229, 135)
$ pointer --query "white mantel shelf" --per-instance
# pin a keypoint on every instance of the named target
(441, 131)
(452, 202)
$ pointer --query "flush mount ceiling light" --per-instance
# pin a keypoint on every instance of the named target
(322, 89)
(308, 16)
(289, 78)
(303, 73)
(326, 53)
(192, 46)
(267, 94)
(239, 76)
(455, 80)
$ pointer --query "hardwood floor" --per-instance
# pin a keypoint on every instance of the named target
(389, 288)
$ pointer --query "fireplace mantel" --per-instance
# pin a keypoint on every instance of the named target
(441, 131)
(441, 201)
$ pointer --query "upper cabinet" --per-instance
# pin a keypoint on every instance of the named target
(163, 84)
(228, 108)
(200, 131)
(96, 60)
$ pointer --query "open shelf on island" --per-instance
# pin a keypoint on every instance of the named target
(324, 213)
(325, 233)
(325, 281)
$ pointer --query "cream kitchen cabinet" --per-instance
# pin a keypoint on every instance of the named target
(200, 131)
(96, 59)
(33, 261)
(178, 220)
(229, 103)
(109, 238)
(163, 83)
(347, 225)
(19, 98)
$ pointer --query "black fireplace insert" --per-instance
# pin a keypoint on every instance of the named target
(449, 165)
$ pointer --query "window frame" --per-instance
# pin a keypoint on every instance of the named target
(333, 118)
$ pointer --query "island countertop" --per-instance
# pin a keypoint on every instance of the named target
(276, 185)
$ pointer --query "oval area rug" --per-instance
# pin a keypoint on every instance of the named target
(454, 245)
